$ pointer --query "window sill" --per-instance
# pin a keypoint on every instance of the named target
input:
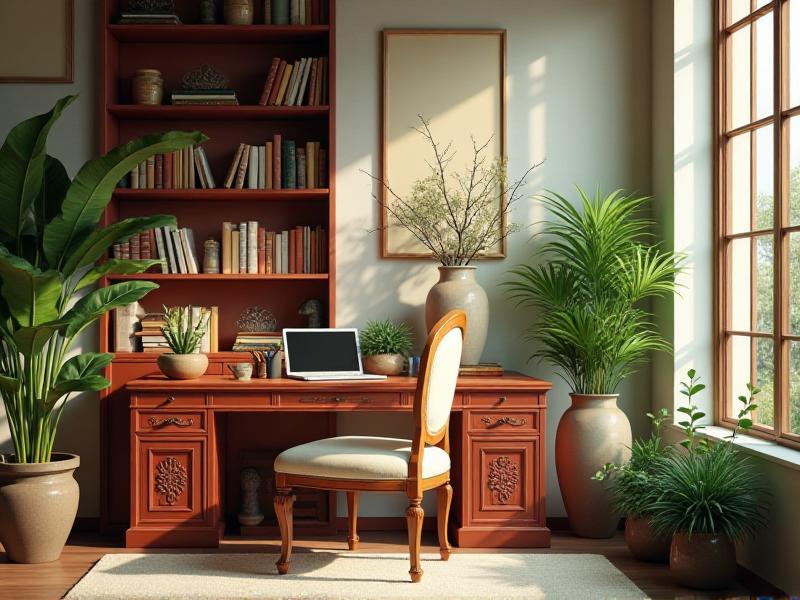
(764, 449)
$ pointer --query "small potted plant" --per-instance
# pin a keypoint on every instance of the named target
(183, 335)
(709, 497)
(384, 346)
(633, 490)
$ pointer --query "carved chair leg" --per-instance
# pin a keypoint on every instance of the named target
(414, 515)
(444, 496)
(352, 519)
(283, 511)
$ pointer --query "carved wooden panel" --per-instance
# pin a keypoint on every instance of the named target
(506, 484)
(172, 481)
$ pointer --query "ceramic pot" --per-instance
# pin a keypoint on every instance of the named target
(239, 12)
(182, 366)
(38, 504)
(592, 432)
(384, 364)
(644, 543)
(705, 561)
(147, 87)
(457, 288)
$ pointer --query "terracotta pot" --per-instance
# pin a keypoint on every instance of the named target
(644, 543)
(705, 561)
(239, 12)
(592, 432)
(147, 87)
(384, 364)
(182, 366)
(38, 504)
(457, 288)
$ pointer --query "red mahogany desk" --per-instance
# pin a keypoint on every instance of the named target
(497, 436)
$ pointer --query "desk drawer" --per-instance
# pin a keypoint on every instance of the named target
(503, 421)
(309, 400)
(170, 399)
(170, 422)
(504, 400)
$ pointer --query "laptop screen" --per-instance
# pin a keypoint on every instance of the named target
(322, 350)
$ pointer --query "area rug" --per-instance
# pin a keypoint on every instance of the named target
(333, 575)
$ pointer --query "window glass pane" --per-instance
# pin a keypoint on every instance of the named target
(764, 372)
(765, 179)
(794, 387)
(737, 9)
(794, 283)
(740, 77)
(794, 170)
(752, 288)
(739, 158)
(764, 73)
(752, 361)
(794, 53)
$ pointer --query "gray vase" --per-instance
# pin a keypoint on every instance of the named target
(457, 288)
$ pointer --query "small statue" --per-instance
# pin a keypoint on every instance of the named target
(312, 308)
(211, 256)
(250, 512)
(208, 12)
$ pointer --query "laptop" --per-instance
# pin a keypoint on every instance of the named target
(323, 354)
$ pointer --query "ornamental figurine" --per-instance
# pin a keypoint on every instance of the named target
(312, 308)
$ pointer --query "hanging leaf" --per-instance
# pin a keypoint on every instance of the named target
(98, 302)
(31, 295)
(117, 266)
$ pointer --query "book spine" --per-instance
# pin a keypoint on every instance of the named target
(276, 250)
(252, 247)
(234, 168)
(313, 85)
(227, 229)
(144, 245)
(177, 245)
(268, 165)
(235, 250)
(168, 171)
(304, 83)
(198, 168)
(158, 160)
(169, 251)
(273, 93)
(134, 247)
(300, 155)
(192, 250)
(287, 75)
(252, 168)
(143, 175)
(289, 165)
(269, 246)
(262, 182)
(276, 161)
(189, 156)
(135, 178)
(177, 169)
(240, 174)
(285, 251)
(262, 250)
(206, 168)
(273, 70)
(280, 12)
(306, 249)
(291, 251)
(312, 244)
(243, 239)
(295, 12)
(300, 67)
(162, 253)
(213, 325)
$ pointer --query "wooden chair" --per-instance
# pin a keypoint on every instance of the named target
(371, 464)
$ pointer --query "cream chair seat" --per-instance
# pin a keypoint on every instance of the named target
(359, 457)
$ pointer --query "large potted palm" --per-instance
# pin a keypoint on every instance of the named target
(51, 254)
(600, 268)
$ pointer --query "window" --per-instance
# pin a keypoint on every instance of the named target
(758, 213)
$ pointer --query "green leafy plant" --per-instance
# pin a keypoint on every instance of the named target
(51, 251)
(183, 335)
(711, 487)
(386, 337)
(600, 269)
(693, 414)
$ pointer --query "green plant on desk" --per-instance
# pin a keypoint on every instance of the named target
(182, 334)
(386, 337)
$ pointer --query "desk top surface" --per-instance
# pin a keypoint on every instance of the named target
(509, 381)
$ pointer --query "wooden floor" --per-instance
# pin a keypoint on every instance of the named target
(53, 580)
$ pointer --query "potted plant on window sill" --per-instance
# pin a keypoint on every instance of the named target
(184, 336)
(599, 271)
(458, 217)
(385, 346)
(51, 251)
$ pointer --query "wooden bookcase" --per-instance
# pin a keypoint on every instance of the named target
(243, 54)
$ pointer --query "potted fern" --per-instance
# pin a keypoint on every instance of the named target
(385, 346)
(51, 253)
(184, 335)
(590, 296)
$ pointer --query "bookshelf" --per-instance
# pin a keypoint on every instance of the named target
(243, 53)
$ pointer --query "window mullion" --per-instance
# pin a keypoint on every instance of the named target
(780, 346)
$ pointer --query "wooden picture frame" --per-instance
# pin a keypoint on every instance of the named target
(36, 41)
(443, 75)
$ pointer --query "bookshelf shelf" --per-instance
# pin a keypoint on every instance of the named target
(218, 33)
(226, 113)
(219, 194)
(220, 277)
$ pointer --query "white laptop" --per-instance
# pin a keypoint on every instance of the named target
(323, 354)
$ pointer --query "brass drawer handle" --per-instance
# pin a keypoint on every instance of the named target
(513, 421)
(169, 400)
(164, 421)
(332, 399)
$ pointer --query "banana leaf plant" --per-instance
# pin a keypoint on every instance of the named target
(52, 251)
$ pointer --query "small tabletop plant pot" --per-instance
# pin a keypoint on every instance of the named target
(644, 543)
(182, 366)
(384, 364)
(38, 504)
(704, 561)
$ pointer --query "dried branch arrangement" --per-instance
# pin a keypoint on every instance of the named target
(458, 216)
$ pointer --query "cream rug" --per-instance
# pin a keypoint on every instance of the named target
(346, 575)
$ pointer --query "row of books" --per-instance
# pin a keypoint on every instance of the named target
(151, 338)
(174, 246)
(223, 97)
(279, 164)
(303, 82)
(181, 169)
(250, 248)
(295, 12)
(257, 340)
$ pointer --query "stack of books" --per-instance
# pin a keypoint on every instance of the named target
(295, 12)
(303, 82)
(257, 340)
(175, 247)
(279, 164)
(153, 339)
(137, 18)
(181, 169)
(250, 248)
(219, 97)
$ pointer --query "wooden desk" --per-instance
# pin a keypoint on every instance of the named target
(178, 466)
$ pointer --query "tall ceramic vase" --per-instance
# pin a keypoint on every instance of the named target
(592, 432)
(457, 288)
